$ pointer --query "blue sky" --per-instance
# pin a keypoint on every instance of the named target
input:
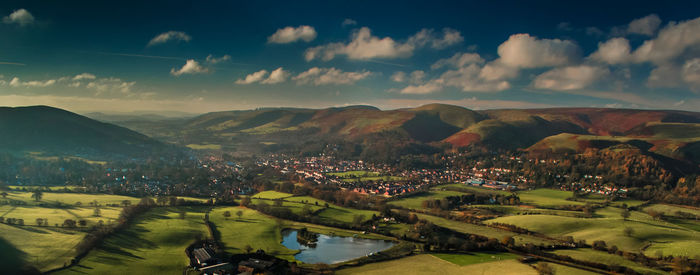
(221, 55)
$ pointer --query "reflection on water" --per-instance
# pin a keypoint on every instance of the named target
(333, 249)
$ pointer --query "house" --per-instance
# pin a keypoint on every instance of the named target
(254, 266)
(203, 256)
(222, 268)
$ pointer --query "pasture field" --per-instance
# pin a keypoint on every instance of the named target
(472, 189)
(204, 146)
(475, 258)
(153, 244)
(271, 195)
(669, 238)
(45, 248)
(58, 215)
(482, 230)
(670, 210)
(69, 198)
(547, 197)
(377, 178)
(416, 201)
(517, 210)
(429, 264)
(587, 254)
(296, 207)
(563, 269)
(345, 215)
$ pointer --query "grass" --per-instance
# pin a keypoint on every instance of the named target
(345, 215)
(475, 258)
(547, 197)
(429, 264)
(587, 254)
(416, 201)
(670, 210)
(669, 238)
(153, 244)
(472, 189)
(377, 178)
(350, 174)
(69, 198)
(58, 215)
(46, 247)
(204, 146)
(563, 269)
(482, 230)
(271, 195)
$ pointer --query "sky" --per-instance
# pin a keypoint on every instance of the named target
(203, 56)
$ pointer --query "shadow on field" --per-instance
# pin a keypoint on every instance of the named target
(30, 229)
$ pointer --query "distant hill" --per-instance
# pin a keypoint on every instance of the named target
(674, 134)
(53, 131)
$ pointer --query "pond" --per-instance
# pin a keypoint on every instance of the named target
(333, 249)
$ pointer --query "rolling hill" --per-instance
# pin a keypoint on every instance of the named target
(673, 134)
(53, 131)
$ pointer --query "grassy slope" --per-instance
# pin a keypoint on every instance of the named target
(46, 248)
(428, 264)
(70, 198)
(153, 244)
(547, 197)
(667, 237)
(591, 255)
(416, 202)
(475, 258)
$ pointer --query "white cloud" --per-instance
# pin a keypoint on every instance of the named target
(469, 79)
(495, 70)
(646, 25)
(169, 36)
(292, 34)
(613, 51)
(21, 17)
(426, 88)
(525, 51)
(349, 22)
(399, 77)
(691, 73)
(325, 76)
(111, 86)
(15, 82)
(672, 42)
(363, 45)
(84, 76)
(214, 60)
(279, 75)
(190, 67)
(570, 78)
(458, 60)
(252, 78)
(665, 76)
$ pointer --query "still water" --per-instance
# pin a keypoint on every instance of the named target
(333, 249)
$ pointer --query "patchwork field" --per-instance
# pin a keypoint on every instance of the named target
(547, 197)
(416, 201)
(429, 264)
(591, 255)
(153, 244)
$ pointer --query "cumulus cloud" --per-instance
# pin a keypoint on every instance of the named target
(169, 36)
(292, 34)
(279, 75)
(426, 88)
(570, 78)
(363, 45)
(252, 78)
(21, 17)
(111, 86)
(646, 25)
(458, 60)
(349, 22)
(469, 79)
(84, 76)
(15, 82)
(190, 67)
(329, 76)
(673, 41)
(691, 73)
(214, 60)
(399, 77)
(525, 51)
(613, 51)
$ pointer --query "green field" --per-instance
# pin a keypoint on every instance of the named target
(475, 258)
(547, 197)
(45, 247)
(58, 215)
(482, 230)
(587, 254)
(153, 244)
(472, 189)
(357, 174)
(670, 210)
(204, 146)
(669, 238)
(271, 195)
(416, 201)
(69, 198)
(429, 264)
(345, 215)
